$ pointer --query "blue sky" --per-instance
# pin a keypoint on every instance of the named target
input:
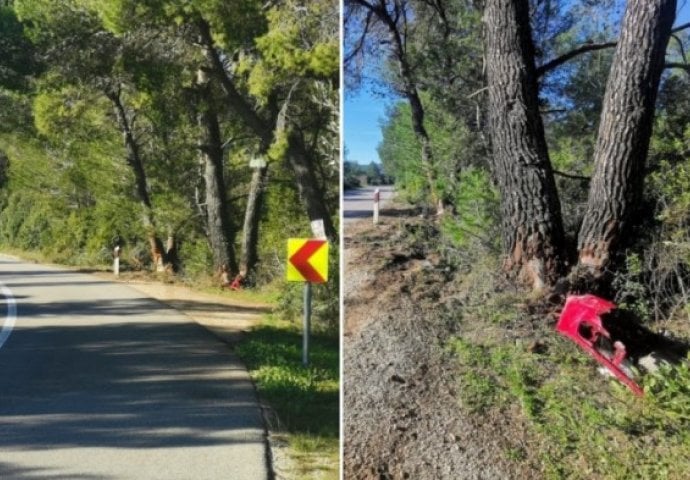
(363, 112)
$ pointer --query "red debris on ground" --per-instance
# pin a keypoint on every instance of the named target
(581, 322)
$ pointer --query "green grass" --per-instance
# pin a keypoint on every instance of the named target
(306, 400)
(585, 426)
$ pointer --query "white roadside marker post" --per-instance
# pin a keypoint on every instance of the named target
(377, 196)
(116, 261)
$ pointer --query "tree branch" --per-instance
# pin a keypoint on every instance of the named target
(680, 46)
(477, 92)
(682, 66)
(237, 102)
(589, 47)
(680, 27)
(362, 38)
(571, 175)
(558, 61)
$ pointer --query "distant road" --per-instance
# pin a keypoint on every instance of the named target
(99, 382)
(358, 203)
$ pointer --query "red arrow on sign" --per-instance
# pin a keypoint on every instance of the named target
(300, 260)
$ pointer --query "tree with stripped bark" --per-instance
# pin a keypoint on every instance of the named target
(625, 129)
(533, 232)
(532, 225)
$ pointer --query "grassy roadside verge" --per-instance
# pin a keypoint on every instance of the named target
(305, 400)
(580, 424)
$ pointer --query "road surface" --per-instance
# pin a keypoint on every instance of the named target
(98, 382)
(359, 203)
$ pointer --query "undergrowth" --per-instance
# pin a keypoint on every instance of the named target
(584, 427)
(305, 400)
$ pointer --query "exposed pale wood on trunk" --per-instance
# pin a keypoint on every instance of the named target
(532, 225)
(625, 129)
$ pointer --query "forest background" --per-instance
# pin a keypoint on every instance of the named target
(195, 135)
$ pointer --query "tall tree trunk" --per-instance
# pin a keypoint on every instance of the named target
(532, 225)
(625, 129)
(308, 185)
(298, 156)
(250, 232)
(136, 163)
(220, 231)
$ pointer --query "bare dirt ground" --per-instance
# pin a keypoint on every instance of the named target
(402, 417)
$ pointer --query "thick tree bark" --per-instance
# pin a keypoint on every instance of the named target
(136, 163)
(625, 129)
(220, 231)
(308, 186)
(532, 224)
(298, 155)
(250, 232)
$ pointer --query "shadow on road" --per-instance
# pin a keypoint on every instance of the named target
(401, 212)
(16, 472)
(124, 385)
(357, 214)
(120, 307)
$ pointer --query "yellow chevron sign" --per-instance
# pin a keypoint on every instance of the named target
(307, 260)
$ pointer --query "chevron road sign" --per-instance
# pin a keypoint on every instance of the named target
(307, 260)
(308, 263)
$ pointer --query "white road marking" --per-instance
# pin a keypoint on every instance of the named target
(11, 314)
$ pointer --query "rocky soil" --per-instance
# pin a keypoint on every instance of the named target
(402, 417)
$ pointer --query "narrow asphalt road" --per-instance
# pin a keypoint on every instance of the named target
(98, 382)
(359, 203)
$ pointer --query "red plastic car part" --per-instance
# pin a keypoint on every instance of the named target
(581, 322)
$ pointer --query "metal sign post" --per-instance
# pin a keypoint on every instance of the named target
(308, 263)
(307, 324)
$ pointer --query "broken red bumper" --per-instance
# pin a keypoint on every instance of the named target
(581, 322)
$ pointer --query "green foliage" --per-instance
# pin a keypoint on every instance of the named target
(581, 426)
(373, 173)
(581, 433)
(671, 185)
(306, 400)
(198, 259)
(301, 42)
(631, 291)
(18, 60)
(351, 174)
(399, 152)
(476, 206)
(66, 147)
(453, 145)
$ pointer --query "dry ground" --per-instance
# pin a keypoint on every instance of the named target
(402, 417)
